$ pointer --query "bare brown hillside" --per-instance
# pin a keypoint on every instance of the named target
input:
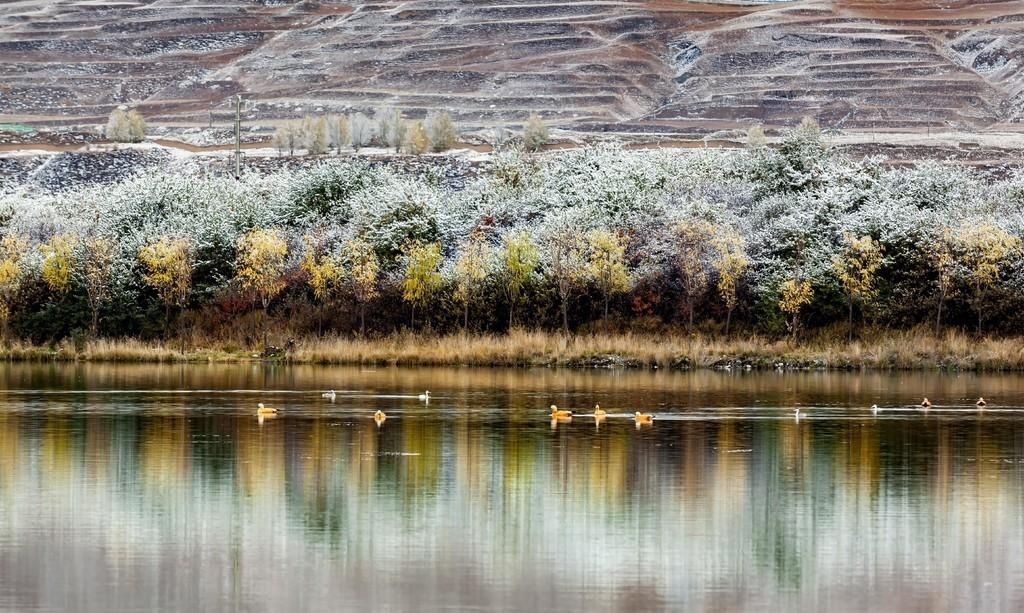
(655, 65)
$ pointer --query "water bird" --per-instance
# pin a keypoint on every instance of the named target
(599, 413)
(875, 409)
(981, 403)
(643, 418)
(425, 396)
(265, 411)
(926, 403)
(796, 413)
(557, 413)
(379, 417)
(329, 394)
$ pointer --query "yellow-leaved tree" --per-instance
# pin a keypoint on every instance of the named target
(794, 294)
(945, 262)
(362, 270)
(694, 251)
(259, 264)
(471, 271)
(168, 270)
(730, 265)
(259, 267)
(857, 267)
(519, 259)
(58, 262)
(607, 265)
(12, 249)
(422, 277)
(97, 265)
(323, 271)
(985, 248)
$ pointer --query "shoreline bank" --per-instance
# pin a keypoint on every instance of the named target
(903, 350)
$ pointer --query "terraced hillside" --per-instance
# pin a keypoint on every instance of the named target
(626, 65)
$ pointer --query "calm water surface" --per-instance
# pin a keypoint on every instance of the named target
(154, 488)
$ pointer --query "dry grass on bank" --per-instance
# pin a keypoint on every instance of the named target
(912, 349)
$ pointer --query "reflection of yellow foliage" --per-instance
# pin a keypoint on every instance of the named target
(164, 452)
(57, 459)
(421, 439)
(8, 449)
(259, 461)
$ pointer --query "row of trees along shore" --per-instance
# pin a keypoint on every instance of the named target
(773, 240)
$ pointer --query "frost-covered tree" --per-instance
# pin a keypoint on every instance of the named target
(361, 130)
(315, 136)
(125, 125)
(339, 132)
(416, 139)
(535, 133)
(442, 131)
(392, 126)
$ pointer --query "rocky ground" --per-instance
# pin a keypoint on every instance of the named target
(651, 68)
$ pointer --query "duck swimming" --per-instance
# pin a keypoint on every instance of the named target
(264, 410)
(329, 394)
(557, 413)
(643, 418)
(926, 403)
(981, 402)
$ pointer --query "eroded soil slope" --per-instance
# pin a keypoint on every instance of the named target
(655, 65)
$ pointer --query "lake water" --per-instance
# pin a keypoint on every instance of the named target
(155, 488)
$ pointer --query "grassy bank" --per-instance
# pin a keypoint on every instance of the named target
(905, 350)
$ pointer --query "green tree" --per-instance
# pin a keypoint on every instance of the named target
(519, 260)
(422, 277)
(471, 271)
(607, 265)
(857, 267)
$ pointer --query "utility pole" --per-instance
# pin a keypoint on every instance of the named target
(238, 136)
